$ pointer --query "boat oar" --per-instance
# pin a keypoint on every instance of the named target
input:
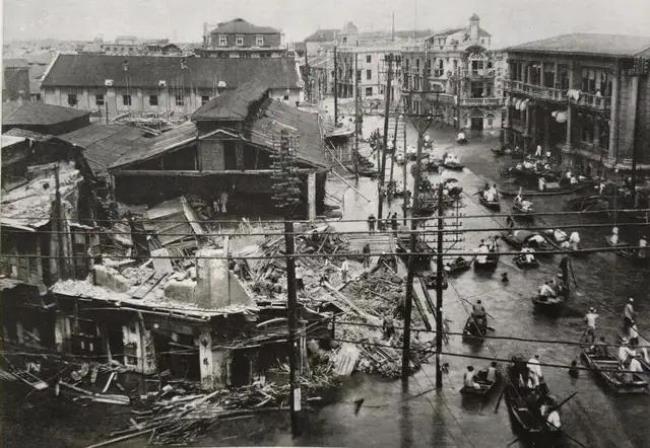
(564, 401)
(496, 407)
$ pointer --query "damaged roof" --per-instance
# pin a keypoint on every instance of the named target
(277, 117)
(31, 113)
(232, 105)
(93, 70)
(104, 144)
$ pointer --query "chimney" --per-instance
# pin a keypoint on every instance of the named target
(474, 27)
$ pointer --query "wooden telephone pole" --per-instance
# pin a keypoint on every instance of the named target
(439, 287)
(382, 165)
(336, 89)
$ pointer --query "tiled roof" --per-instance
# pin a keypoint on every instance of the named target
(37, 114)
(231, 105)
(103, 144)
(92, 70)
(14, 63)
(615, 45)
(240, 26)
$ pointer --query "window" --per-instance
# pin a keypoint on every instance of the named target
(72, 99)
(259, 41)
(369, 59)
(368, 74)
(239, 41)
(99, 99)
(153, 100)
(358, 75)
(204, 99)
(126, 100)
(223, 40)
(368, 91)
(286, 97)
(180, 100)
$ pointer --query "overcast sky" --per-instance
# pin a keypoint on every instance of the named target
(509, 21)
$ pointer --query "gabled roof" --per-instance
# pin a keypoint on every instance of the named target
(328, 35)
(92, 70)
(103, 144)
(151, 147)
(231, 105)
(240, 26)
(278, 116)
(38, 114)
(613, 45)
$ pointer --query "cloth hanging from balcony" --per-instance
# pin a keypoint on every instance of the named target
(518, 104)
(524, 105)
(561, 117)
(574, 94)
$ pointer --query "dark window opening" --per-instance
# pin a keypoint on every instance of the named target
(99, 99)
(126, 100)
(72, 99)
(153, 100)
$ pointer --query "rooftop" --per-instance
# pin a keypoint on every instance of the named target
(92, 70)
(588, 44)
(232, 105)
(327, 35)
(240, 26)
(104, 144)
(37, 114)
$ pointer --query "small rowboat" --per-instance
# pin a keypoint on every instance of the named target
(457, 266)
(485, 386)
(610, 372)
(626, 252)
(522, 263)
(549, 305)
(520, 212)
(475, 329)
(490, 263)
(453, 165)
(494, 205)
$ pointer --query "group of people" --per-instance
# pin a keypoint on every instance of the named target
(522, 203)
(484, 250)
(554, 287)
(473, 379)
(390, 222)
(328, 268)
(490, 194)
(529, 380)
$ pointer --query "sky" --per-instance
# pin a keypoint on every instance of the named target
(509, 21)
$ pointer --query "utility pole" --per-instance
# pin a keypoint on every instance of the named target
(439, 285)
(382, 166)
(404, 205)
(294, 394)
(392, 160)
(336, 89)
(357, 123)
(408, 306)
(60, 225)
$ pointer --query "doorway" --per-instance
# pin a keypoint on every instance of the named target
(477, 124)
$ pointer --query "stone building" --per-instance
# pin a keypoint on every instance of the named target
(371, 71)
(456, 68)
(241, 39)
(169, 87)
(587, 95)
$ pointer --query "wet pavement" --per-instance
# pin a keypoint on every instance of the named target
(421, 416)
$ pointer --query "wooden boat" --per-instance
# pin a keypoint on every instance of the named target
(522, 263)
(490, 263)
(518, 238)
(549, 305)
(494, 205)
(627, 252)
(613, 375)
(474, 329)
(525, 418)
(453, 165)
(457, 266)
(520, 212)
(485, 386)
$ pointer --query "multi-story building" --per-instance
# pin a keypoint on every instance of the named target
(587, 95)
(371, 71)
(171, 86)
(241, 39)
(457, 69)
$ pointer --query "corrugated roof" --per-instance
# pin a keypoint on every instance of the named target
(231, 105)
(240, 26)
(615, 45)
(278, 117)
(36, 113)
(103, 144)
(151, 147)
(92, 70)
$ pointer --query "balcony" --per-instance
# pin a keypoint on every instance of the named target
(475, 102)
(479, 73)
(540, 92)
(558, 95)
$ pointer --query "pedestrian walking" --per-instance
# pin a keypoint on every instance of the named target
(345, 270)
(371, 222)
(393, 222)
(366, 256)
(300, 284)
(224, 201)
(629, 314)
(388, 327)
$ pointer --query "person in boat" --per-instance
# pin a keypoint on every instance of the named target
(483, 251)
(541, 183)
(371, 222)
(624, 352)
(510, 222)
(633, 334)
(559, 235)
(492, 373)
(590, 320)
(538, 151)
(534, 370)
(635, 366)
(461, 138)
(529, 165)
(613, 238)
(574, 240)
(643, 244)
(573, 370)
(552, 416)
(546, 290)
(629, 315)
(479, 315)
(468, 379)
(451, 158)
(527, 254)
(560, 285)
(600, 350)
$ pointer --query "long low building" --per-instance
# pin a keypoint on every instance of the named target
(109, 86)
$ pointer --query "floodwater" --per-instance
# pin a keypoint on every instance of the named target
(421, 416)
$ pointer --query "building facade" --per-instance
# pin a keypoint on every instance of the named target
(587, 96)
(371, 72)
(457, 70)
(241, 39)
(110, 86)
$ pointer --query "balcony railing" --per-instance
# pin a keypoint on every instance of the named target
(559, 95)
(481, 101)
(479, 73)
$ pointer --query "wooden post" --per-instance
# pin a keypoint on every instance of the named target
(292, 318)
(382, 165)
(439, 281)
(336, 89)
